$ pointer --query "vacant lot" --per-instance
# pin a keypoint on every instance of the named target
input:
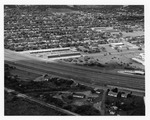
(118, 59)
(113, 60)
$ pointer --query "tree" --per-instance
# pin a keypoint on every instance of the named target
(116, 48)
(75, 60)
(70, 97)
(115, 90)
(93, 91)
(87, 110)
(129, 95)
(107, 91)
(139, 48)
(119, 95)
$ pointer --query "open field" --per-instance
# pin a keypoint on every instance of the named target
(24, 75)
(84, 74)
(118, 59)
(20, 106)
(111, 59)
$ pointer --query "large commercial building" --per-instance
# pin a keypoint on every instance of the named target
(140, 58)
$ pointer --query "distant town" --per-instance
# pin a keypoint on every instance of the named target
(74, 60)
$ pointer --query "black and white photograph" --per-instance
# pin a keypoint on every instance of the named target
(74, 60)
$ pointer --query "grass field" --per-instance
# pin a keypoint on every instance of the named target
(115, 60)
(119, 58)
(19, 106)
(24, 75)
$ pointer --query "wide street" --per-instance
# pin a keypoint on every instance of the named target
(80, 73)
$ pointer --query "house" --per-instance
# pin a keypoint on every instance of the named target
(98, 91)
(44, 77)
(75, 95)
(114, 107)
(90, 99)
(112, 112)
(113, 94)
(124, 95)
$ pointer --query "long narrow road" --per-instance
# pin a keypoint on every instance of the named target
(88, 75)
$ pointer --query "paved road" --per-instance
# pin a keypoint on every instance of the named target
(103, 102)
(87, 75)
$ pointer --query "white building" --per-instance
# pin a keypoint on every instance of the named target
(140, 58)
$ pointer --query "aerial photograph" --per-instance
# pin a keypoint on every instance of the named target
(74, 60)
